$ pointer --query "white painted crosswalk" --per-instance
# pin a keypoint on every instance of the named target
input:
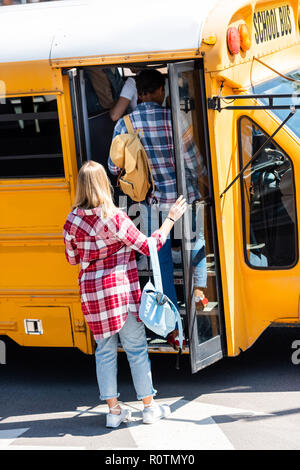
(191, 426)
(7, 436)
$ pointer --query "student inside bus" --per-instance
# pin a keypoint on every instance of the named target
(128, 99)
(155, 122)
(103, 88)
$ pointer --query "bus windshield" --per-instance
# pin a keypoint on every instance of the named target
(281, 85)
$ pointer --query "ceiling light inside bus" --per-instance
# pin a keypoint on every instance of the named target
(244, 37)
(233, 40)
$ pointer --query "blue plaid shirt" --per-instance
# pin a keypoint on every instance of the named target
(157, 139)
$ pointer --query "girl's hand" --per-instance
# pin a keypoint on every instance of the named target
(178, 208)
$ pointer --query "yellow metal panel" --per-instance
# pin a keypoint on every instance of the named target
(55, 323)
(35, 267)
(253, 299)
(150, 56)
(63, 307)
(32, 77)
(67, 133)
(217, 57)
(224, 167)
(33, 211)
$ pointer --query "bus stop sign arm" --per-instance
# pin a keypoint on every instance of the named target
(291, 114)
(215, 102)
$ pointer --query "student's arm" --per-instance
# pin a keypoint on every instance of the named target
(125, 230)
(71, 251)
(119, 108)
(127, 94)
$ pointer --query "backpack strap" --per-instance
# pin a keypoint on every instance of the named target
(152, 243)
(128, 124)
(130, 130)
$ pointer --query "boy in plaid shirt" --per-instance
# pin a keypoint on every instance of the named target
(156, 125)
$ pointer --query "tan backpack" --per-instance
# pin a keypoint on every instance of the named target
(128, 153)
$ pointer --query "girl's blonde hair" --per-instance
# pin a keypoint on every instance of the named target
(94, 189)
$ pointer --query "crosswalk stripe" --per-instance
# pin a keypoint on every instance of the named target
(7, 436)
(190, 427)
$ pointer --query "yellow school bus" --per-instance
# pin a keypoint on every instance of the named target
(233, 74)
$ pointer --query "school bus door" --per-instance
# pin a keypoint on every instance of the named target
(93, 129)
(194, 180)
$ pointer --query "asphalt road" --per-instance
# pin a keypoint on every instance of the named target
(49, 400)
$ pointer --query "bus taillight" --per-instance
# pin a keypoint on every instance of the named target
(233, 40)
(244, 37)
(238, 39)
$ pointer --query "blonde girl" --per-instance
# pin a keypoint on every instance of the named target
(103, 239)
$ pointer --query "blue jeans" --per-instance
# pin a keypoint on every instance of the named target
(165, 253)
(198, 254)
(198, 248)
(133, 339)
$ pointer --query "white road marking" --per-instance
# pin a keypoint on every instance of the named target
(190, 426)
(82, 411)
(7, 436)
(39, 417)
(16, 447)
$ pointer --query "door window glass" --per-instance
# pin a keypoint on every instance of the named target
(268, 196)
(198, 240)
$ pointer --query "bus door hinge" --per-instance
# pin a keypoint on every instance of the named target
(187, 105)
(214, 103)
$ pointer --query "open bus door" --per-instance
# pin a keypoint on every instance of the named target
(188, 104)
(81, 134)
(93, 128)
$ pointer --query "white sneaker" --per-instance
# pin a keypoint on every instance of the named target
(153, 413)
(114, 420)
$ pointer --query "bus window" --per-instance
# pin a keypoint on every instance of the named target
(280, 85)
(268, 197)
(102, 89)
(30, 138)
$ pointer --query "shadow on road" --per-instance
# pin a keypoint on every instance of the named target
(43, 380)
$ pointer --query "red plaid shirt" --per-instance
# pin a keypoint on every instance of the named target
(108, 279)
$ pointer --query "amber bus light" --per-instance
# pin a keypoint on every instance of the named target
(245, 40)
